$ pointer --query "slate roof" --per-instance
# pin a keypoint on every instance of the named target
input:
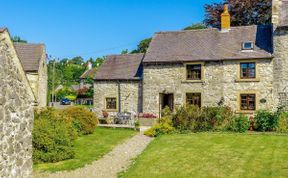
(121, 67)
(89, 73)
(210, 44)
(284, 13)
(30, 55)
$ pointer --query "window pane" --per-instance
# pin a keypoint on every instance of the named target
(193, 99)
(248, 70)
(248, 101)
(194, 72)
(111, 103)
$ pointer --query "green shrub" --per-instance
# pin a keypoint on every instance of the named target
(52, 137)
(265, 121)
(83, 120)
(159, 129)
(206, 119)
(283, 123)
(239, 123)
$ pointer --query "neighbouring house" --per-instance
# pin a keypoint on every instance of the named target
(118, 84)
(243, 67)
(84, 97)
(33, 59)
(16, 113)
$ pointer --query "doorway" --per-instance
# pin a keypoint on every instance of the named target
(166, 100)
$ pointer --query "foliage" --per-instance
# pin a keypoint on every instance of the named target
(71, 97)
(142, 46)
(163, 127)
(17, 39)
(52, 136)
(265, 121)
(89, 148)
(64, 93)
(85, 92)
(283, 123)
(83, 120)
(243, 12)
(196, 26)
(239, 123)
(195, 119)
(148, 115)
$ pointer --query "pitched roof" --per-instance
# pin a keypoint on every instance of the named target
(210, 44)
(2, 30)
(30, 55)
(284, 13)
(89, 73)
(121, 67)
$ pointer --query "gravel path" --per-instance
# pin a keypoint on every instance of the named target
(112, 163)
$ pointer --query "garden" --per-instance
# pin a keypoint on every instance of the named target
(69, 139)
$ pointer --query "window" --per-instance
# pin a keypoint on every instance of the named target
(111, 103)
(247, 46)
(193, 99)
(248, 102)
(248, 70)
(194, 72)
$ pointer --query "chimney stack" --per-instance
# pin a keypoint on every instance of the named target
(225, 19)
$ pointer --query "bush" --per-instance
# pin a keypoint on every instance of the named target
(83, 120)
(52, 137)
(283, 123)
(239, 123)
(164, 127)
(206, 119)
(265, 121)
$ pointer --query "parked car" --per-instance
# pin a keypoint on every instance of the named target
(65, 101)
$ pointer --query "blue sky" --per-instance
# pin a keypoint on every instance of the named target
(92, 28)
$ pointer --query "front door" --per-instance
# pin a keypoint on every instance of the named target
(166, 100)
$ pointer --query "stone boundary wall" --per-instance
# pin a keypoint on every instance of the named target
(16, 113)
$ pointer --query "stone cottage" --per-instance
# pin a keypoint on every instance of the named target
(242, 67)
(33, 59)
(118, 84)
(16, 113)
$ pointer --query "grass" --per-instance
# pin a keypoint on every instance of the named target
(89, 148)
(213, 155)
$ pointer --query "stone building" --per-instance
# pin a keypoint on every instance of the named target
(118, 84)
(243, 67)
(16, 113)
(33, 59)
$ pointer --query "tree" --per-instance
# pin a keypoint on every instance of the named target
(196, 26)
(243, 12)
(17, 39)
(124, 51)
(142, 46)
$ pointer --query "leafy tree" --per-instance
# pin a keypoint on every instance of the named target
(124, 51)
(196, 26)
(17, 39)
(142, 46)
(243, 12)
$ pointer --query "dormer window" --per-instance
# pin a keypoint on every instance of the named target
(248, 45)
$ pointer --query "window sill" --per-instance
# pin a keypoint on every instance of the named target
(248, 80)
(193, 81)
(245, 112)
(110, 110)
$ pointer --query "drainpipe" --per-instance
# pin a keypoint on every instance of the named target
(119, 96)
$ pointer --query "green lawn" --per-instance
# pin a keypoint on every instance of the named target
(213, 155)
(89, 148)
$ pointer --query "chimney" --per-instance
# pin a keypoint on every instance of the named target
(225, 19)
(89, 65)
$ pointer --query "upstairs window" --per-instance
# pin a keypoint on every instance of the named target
(111, 103)
(193, 99)
(247, 46)
(194, 71)
(248, 102)
(248, 70)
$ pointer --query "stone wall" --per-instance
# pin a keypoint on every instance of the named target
(42, 81)
(130, 96)
(16, 114)
(219, 84)
(280, 40)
